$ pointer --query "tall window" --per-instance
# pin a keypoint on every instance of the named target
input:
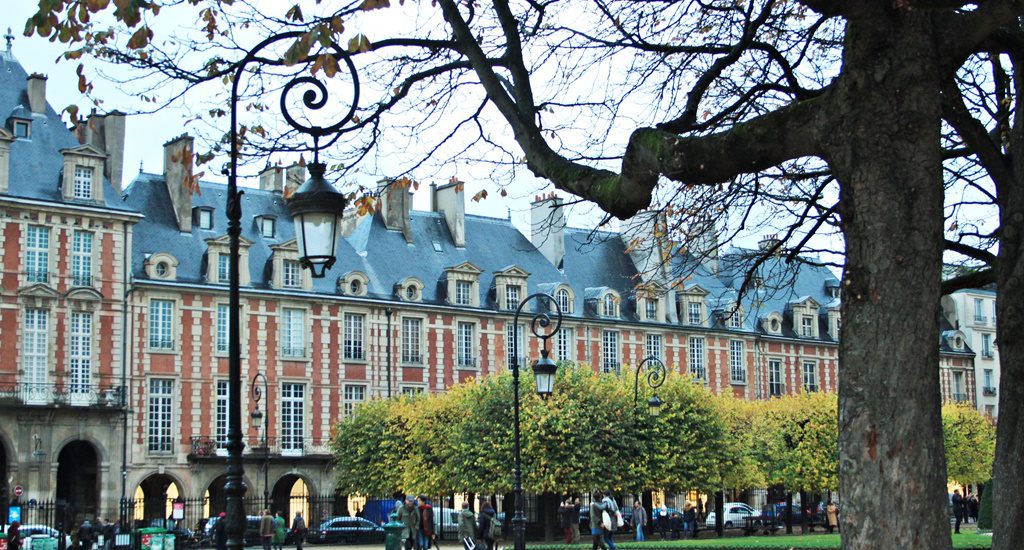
(221, 415)
(737, 369)
(986, 345)
(694, 313)
(979, 310)
(293, 407)
(35, 348)
(654, 347)
(37, 253)
(160, 396)
(611, 305)
(511, 297)
(83, 182)
(810, 376)
(411, 330)
(807, 326)
(610, 351)
(160, 335)
(989, 379)
(466, 347)
(353, 394)
(81, 351)
(697, 368)
(293, 330)
(81, 258)
(651, 309)
(564, 345)
(354, 336)
(735, 319)
(223, 327)
(290, 274)
(775, 385)
(512, 341)
(958, 387)
(463, 291)
(223, 268)
(564, 303)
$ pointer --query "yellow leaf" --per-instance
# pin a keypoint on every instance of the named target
(359, 44)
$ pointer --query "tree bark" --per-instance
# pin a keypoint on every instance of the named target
(886, 122)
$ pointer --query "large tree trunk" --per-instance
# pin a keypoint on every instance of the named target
(1008, 515)
(885, 127)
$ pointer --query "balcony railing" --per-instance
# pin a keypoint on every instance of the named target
(81, 280)
(66, 394)
(206, 446)
(37, 276)
(988, 391)
(980, 320)
(987, 354)
(959, 397)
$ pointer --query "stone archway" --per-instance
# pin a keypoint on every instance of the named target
(216, 498)
(78, 482)
(154, 497)
(292, 493)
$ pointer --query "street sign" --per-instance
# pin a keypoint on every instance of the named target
(18, 490)
(178, 511)
(13, 514)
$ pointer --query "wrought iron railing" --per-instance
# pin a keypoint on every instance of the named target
(959, 397)
(81, 280)
(988, 391)
(37, 276)
(67, 394)
(206, 446)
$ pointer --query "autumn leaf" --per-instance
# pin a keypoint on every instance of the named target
(480, 196)
(359, 44)
(140, 39)
(368, 5)
(294, 14)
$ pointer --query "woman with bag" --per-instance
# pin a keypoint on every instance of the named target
(598, 519)
(467, 527)
(616, 520)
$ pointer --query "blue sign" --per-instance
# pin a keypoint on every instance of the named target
(13, 514)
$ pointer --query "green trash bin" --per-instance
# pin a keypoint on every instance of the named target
(168, 541)
(43, 543)
(150, 538)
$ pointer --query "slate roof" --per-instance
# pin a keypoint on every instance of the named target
(36, 163)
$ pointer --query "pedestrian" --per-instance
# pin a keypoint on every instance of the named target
(409, 517)
(598, 516)
(484, 525)
(689, 520)
(958, 509)
(280, 530)
(109, 533)
(574, 521)
(267, 529)
(299, 530)
(467, 527)
(220, 532)
(426, 523)
(832, 515)
(616, 517)
(639, 520)
(85, 535)
(563, 519)
(14, 536)
(662, 520)
(972, 507)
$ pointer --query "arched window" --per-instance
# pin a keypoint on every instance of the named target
(611, 305)
(563, 301)
(355, 287)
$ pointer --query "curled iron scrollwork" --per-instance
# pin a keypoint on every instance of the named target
(545, 323)
(315, 98)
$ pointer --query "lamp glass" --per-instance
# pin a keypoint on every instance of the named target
(544, 374)
(654, 405)
(317, 234)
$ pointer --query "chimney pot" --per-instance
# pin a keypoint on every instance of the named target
(37, 93)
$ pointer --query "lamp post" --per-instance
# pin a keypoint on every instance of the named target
(544, 374)
(656, 372)
(315, 207)
(258, 394)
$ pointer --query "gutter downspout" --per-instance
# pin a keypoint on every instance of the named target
(387, 312)
(125, 329)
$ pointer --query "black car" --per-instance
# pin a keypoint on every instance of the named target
(345, 529)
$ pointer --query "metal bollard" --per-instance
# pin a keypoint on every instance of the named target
(393, 530)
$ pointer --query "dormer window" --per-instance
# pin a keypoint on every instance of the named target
(611, 305)
(564, 303)
(354, 283)
(410, 290)
(83, 182)
(651, 309)
(290, 274)
(511, 297)
(204, 218)
(268, 227)
(161, 266)
(807, 326)
(162, 269)
(355, 287)
(735, 320)
(22, 129)
(410, 293)
(693, 313)
(223, 268)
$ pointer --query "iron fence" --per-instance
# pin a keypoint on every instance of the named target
(66, 394)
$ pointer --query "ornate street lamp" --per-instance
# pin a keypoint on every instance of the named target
(656, 372)
(544, 374)
(317, 227)
(263, 416)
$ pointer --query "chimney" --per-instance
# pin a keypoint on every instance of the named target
(5, 162)
(106, 133)
(272, 179)
(294, 177)
(450, 200)
(395, 205)
(704, 247)
(767, 242)
(547, 227)
(37, 93)
(178, 176)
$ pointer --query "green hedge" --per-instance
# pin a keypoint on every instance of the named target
(966, 541)
(985, 512)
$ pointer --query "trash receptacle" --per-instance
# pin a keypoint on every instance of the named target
(393, 530)
(169, 541)
(43, 542)
(3, 541)
(148, 537)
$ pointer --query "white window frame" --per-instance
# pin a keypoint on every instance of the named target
(463, 293)
(737, 362)
(291, 274)
(160, 420)
(293, 333)
(651, 309)
(655, 346)
(565, 344)
(979, 311)
(83, 183)
(694, 313)
(264, 224)
(35, 352)
(610, 351)
(37, 254)
(511, 341)
(989, 378)
(466, 345)
(698, 367)
(293, 418)
(412, 391)
(220, 416)
(958, 386)
(735, 319)
(807, 326)
(512, 297)
(81, 258)
(205, 218)
(986, 346)
(80, 352)
(412, 340)
(223, 313)
(776, 381)
(355, 337)
(223, 268)
(161, 324)
(352, 395)
(810, 376)
(611, 305)
(564, 301)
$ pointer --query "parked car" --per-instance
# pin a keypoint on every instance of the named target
(446, 521)
(347, 530)
(734, 515)
(252, 530)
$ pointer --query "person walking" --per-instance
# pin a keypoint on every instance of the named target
(467, 527)
(972, 507)
(85, 535)
(598, 515)
(484, 525)
(426, 523)
(220, 532)
(832, 516)
(109, 534)
(613, 512)
(662, 520)
(958, 509)
(574, 521)
(639, 520)
(409, 517)
(563, 519)
(299, 530)
(280, 530)
(14, 536)
(267, 529)
(689, 520)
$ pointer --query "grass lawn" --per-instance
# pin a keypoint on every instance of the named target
(966, 540)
